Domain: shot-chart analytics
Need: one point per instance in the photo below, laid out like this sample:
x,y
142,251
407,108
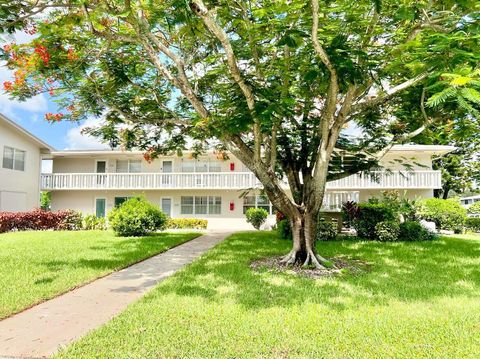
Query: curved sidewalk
x,y
42,330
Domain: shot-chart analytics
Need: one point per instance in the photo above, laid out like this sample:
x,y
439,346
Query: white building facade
x,y
20,167
213,187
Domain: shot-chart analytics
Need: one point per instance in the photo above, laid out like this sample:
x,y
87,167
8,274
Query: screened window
x,y
120,200
122,166
188,166
214,205
248,202
129,166
257,202
215,166
263,202
13,159
201,166
186,205
135,166
201,205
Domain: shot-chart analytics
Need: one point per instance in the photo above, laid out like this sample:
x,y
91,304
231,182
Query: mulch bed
x,y
341,266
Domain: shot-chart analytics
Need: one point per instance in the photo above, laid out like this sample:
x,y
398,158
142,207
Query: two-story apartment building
x,y
20,167
213,187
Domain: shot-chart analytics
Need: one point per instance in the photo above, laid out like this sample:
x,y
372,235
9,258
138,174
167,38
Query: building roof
x,y
44,147
471,197
430,149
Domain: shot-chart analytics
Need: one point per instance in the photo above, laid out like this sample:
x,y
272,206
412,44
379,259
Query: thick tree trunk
x,y
304,252
446,190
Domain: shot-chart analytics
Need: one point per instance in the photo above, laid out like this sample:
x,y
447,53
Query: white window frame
x,y
101,160
194,206
129,160
14,151
173,165
195,163
257,205
95,205
171,205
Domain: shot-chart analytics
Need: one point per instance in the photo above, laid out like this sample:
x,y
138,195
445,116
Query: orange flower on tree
x,y
43,53
53,117
8,86
71,55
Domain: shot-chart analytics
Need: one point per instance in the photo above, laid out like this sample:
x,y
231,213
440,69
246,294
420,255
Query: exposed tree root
x,y
313,259
290,258
310,258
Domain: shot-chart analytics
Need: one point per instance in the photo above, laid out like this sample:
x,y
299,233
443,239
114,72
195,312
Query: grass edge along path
x,y
417,299
40,265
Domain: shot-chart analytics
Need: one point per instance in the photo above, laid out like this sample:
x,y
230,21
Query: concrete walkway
x,y
42,330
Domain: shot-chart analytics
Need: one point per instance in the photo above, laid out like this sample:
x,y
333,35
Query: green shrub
x,y
387,231
70,220
256,217
45,200
184,223
326,230
92,222
349,213
136,217
474,208
473,224
284,229
414,231
369,214
447,214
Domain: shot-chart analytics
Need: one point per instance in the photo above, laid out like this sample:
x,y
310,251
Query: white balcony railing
x,y
227,180
333,201
211,180
389,180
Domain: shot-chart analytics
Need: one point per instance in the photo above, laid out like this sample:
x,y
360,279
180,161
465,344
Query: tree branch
x,y
382,98
201,10
331,101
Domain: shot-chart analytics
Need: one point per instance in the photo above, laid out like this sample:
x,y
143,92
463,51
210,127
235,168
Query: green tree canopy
x,y
273,81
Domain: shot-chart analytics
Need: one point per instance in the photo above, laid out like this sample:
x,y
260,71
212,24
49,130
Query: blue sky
x,y
30,114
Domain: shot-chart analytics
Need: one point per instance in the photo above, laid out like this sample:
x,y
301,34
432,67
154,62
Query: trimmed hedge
x,y
186,223
413,231
447,214
40,220
473,224
326,230
387,231
136,217
369,215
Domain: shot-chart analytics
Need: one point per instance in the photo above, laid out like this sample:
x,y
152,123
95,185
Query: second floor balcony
x,y
227,180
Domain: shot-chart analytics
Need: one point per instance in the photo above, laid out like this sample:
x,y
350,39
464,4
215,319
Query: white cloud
x,y
77,141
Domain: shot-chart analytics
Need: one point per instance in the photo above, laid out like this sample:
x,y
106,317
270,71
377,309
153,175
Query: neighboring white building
x,y
20,167
468,201
213,188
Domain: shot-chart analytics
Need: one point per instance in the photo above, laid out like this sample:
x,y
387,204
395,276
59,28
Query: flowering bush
x,y
39,220
184,223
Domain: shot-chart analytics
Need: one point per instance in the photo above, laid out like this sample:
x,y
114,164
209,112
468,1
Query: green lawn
x,y
417,300
35,266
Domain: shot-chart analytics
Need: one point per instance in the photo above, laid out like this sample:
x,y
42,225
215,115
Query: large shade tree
x,y
274,82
